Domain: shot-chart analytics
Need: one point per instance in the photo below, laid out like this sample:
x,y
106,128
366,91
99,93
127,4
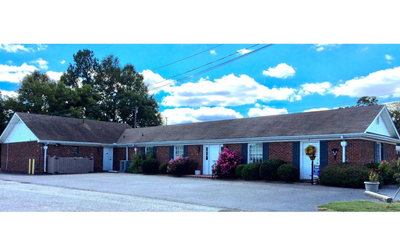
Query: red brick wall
x,y
358,151
390,154
196,155
118,155
19,155
163,154
281,150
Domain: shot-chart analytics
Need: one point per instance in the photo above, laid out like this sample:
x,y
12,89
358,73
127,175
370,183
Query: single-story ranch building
x,y
356,135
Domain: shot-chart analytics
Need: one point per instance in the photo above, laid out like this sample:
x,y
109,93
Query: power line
x,y
223,58
186,58
214,67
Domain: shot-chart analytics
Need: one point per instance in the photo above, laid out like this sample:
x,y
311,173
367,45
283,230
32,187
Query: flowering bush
x,y
373,175
179,166
227,162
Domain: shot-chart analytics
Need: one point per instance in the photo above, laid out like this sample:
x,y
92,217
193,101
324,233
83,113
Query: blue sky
x,y
280,79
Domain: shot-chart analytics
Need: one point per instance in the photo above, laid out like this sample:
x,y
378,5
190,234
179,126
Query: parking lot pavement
x,y
27,197
124,192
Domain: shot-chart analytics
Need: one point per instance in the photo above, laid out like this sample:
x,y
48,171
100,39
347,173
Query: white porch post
x,y
344,144
45,157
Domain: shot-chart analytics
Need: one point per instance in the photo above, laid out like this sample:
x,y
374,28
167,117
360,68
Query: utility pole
x,y
136,111
166,120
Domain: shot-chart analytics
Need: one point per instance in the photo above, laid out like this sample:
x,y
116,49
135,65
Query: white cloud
x,y
62,62
282,70
41,47
55,76
389,57
230,90
381,83
156,82
254,112
311,88
213,52
42,63
244,51
321,47
14,48
11,94
189,115
316,109
15,73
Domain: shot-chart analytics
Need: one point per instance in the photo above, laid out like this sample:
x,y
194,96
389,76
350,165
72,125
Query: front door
x,y
210,157
305,162
107,159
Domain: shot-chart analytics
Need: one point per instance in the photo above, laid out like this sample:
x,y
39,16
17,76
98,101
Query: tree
x,y
110,92
367,101
37,93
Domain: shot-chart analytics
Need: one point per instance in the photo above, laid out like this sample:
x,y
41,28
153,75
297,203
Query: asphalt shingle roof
x,y
339,121
57,128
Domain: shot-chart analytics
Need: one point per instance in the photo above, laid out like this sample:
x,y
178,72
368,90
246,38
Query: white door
x,y
305,161
210,157
107,159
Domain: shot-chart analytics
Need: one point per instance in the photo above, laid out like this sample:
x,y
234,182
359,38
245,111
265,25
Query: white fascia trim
x,y
72,143
365,136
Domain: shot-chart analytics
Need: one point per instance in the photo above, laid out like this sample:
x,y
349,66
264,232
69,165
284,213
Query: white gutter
x,y
365,136
53,142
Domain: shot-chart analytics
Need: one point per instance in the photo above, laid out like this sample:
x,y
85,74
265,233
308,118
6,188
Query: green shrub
x,y
372,165
238,170
344,175
251,171
269,168
387,172
288,173
150,166
163,168
136,165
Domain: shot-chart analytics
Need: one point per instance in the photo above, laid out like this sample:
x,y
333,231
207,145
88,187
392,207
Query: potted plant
x,y
373,183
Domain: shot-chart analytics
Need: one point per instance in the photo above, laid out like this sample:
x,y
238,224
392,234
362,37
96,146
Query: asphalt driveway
x,y
132,192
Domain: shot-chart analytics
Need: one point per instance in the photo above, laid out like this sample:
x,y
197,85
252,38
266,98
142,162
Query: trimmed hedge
x,y
238,170
269,168
288,173
344,175
150,166
163,168
251,171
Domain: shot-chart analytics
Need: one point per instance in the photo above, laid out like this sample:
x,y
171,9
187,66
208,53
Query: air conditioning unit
x,y
122,165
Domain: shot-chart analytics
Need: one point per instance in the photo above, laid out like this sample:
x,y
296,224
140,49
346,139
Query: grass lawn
x,y
360,206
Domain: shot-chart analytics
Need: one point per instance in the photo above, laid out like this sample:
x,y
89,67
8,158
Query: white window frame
x,y
178,151
254,152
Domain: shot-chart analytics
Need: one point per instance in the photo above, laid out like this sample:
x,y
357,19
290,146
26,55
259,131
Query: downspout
x,y
343,144
127,156
45,157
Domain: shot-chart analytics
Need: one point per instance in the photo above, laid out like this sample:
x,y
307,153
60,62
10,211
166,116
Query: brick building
x,y
359,135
